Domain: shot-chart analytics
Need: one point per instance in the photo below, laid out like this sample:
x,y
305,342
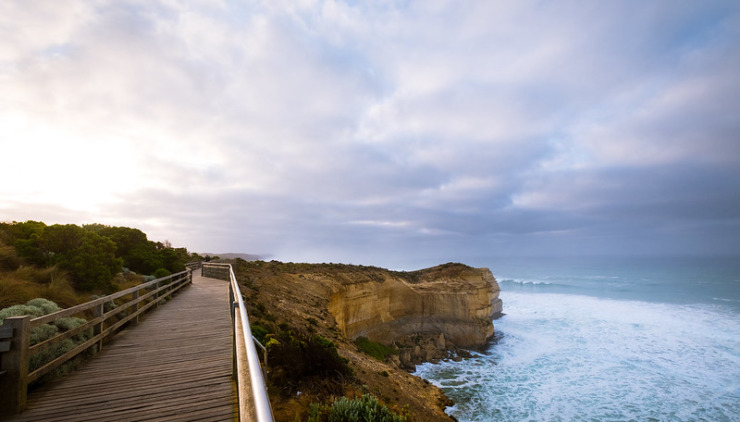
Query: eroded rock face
x,y
452,300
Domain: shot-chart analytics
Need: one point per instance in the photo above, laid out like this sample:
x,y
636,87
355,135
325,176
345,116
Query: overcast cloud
x,y
387,133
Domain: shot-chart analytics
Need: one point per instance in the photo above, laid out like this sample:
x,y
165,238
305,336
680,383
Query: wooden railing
x,y
15,332
217,270
254,404
194,265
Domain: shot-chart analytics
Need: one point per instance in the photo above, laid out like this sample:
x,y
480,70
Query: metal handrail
x,y
244,339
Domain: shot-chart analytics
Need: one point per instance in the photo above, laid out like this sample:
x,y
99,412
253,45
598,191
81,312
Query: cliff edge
x,y
452,300
419,316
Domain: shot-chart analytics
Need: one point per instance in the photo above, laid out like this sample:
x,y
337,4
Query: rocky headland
x,y
418,316
426,314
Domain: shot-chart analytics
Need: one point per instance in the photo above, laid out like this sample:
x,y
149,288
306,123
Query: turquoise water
x,y
606,340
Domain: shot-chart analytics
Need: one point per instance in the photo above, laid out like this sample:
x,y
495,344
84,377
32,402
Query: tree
x,y
89,258
172,260
140,254
93,253
25,239
126,240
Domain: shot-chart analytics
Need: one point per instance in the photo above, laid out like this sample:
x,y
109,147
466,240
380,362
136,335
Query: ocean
x,y
605,339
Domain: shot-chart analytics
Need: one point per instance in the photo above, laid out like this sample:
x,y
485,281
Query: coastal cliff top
x,y
289,298
346,274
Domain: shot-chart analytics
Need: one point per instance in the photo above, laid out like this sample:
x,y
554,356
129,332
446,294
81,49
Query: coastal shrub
x,y
161,272
39,307
364,409
259,332
46,305
377,350
88,257
20,310
298,358
43,332
70,323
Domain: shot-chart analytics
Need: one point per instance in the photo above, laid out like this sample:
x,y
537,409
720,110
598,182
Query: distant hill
x,y
244,256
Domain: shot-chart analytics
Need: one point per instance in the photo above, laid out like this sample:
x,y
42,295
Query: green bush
x,y
259,332
20,310
161,272
92,254
70,323
39,307
47,306
377,350
365,409
89,258
298,358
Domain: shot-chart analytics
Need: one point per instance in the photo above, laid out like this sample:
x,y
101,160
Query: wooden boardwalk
x,y
175,365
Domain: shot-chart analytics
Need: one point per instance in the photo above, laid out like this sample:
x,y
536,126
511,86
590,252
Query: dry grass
x,y
127,280
15,292
19,283
28,283
38,275
9,261
61,292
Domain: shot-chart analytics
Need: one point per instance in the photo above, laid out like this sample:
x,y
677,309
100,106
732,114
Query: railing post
x,y
99,310
232,308
134,296
14,382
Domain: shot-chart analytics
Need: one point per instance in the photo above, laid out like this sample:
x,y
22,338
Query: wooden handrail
x,y
91,304
15,333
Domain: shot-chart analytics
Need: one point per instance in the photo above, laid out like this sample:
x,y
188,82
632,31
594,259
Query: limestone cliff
x,y
423,314
454,300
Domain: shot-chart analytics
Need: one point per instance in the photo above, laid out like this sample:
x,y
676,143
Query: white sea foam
x,y
568,357
518,281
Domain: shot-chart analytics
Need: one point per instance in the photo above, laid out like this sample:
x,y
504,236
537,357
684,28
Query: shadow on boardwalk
x,y
175,365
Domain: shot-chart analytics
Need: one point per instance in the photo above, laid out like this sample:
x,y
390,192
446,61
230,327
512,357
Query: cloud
x,y
365,130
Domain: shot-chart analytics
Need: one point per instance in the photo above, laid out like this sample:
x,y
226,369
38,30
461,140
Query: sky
x,y
389,133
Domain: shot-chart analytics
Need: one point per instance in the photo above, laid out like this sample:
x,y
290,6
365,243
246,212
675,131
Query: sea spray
x,y
562,357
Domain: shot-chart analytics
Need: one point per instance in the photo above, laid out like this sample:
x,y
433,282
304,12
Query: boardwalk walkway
x,y
175,365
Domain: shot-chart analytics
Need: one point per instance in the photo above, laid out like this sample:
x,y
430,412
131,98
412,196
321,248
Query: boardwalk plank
x,y
175,365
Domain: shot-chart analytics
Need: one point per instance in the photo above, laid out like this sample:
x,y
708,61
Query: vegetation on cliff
x,y
303,360
377,350
288,303
364,409
65,263
39,307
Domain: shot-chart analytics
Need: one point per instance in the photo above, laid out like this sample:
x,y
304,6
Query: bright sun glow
x,y
52,164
